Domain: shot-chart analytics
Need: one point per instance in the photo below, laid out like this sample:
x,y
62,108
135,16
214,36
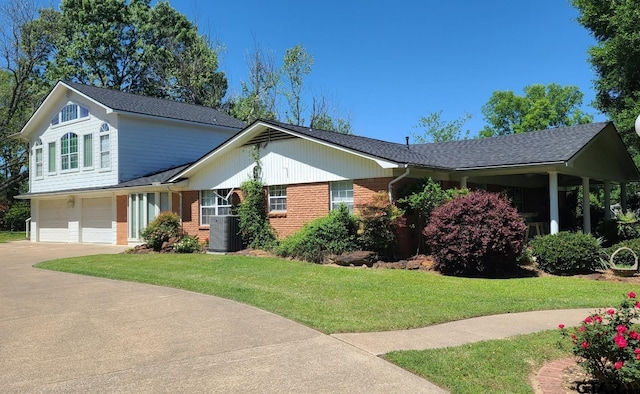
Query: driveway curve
x,y
66,333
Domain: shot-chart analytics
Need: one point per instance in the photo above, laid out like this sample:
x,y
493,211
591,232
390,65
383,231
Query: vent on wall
x,y
268,136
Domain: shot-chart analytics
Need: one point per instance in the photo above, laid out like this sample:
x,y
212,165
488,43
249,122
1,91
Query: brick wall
x,y
191,215
121,221
305,203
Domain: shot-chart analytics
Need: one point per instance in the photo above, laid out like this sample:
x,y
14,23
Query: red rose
x,y
561,326
618,364
610,311
621,329
588,319
620,341
597,318
585,344
632,294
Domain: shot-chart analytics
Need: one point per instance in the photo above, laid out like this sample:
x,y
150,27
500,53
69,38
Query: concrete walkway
x,y
69,333
65,333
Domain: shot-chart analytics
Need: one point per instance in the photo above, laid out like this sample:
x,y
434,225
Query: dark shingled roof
x,y
546,146
133,103
538,147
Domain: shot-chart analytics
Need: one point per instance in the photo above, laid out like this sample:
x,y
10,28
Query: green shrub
x,y
566,253
378,225
253,221
188,244
476,234
332,234
14,218
164,227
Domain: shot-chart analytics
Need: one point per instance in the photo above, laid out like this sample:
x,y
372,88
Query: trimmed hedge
x,y
567,253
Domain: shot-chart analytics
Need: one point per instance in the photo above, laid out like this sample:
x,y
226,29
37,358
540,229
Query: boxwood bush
x,y
332,234
477,234
164,227
567,253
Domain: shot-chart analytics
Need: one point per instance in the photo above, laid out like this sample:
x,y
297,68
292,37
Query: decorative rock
x,y
356,258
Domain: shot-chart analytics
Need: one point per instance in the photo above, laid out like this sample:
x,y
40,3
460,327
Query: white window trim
x,y
104,133
216,206
70,154
145,214
36,148
334,204
79,118
277,197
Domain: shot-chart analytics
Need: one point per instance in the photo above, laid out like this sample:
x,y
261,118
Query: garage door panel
x,y
53,221
97,220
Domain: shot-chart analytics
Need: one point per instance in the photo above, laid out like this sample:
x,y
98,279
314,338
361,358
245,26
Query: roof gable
x,y
117,101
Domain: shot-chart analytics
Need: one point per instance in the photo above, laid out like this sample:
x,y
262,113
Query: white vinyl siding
x,y
278,198
87,157
342,193
213,203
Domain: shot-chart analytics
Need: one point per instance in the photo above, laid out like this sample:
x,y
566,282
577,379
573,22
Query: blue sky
x,y
387,63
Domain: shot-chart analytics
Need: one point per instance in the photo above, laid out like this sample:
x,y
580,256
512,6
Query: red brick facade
x,y
122,230
305,202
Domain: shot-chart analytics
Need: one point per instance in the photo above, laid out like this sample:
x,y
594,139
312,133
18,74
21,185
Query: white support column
x,y
463,182
623,197
586,206
607,200
554,211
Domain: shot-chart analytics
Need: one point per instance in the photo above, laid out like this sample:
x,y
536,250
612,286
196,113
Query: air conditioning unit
x,y
224,234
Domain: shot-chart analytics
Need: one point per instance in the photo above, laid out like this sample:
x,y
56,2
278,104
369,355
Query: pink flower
x,y
588,319
610,311
638,304
636,351
597,318
633,335
631,294
585,344
620,341
561,326
618,364
582,328
621,329
573,336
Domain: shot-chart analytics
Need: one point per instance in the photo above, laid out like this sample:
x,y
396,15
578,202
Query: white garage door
x,y
96,220
54,222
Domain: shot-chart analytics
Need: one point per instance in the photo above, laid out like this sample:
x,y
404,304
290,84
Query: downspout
x,y
406,172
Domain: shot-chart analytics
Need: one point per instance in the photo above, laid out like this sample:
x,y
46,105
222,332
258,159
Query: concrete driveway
x,y
69,333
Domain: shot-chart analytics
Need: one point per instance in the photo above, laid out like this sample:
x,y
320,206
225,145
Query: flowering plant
x,y
607,345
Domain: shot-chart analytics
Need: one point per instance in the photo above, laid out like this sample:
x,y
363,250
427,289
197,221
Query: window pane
x,y
342,193
105,156
164,202
88,150
206,215
133,219
104,128
151,207
69,112
52,157
38,159
277,198
84,112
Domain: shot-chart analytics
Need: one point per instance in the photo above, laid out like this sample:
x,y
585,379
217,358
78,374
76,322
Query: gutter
x,y
393,181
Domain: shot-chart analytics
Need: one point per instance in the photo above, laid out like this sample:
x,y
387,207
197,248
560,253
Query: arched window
x,y
69,151
70,112
105,146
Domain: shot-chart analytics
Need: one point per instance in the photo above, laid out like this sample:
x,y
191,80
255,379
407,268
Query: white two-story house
x,y
98,158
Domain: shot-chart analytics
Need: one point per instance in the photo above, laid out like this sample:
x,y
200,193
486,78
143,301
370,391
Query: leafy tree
x,y
133,47
297,65
437,130
324,118
616,60
540,108
24,46
258,99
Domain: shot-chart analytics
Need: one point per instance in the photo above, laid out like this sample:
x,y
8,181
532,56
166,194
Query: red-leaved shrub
x,y
476,234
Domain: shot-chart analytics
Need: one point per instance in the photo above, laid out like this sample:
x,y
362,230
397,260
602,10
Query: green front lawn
x,y
8,236
334,299
500,366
